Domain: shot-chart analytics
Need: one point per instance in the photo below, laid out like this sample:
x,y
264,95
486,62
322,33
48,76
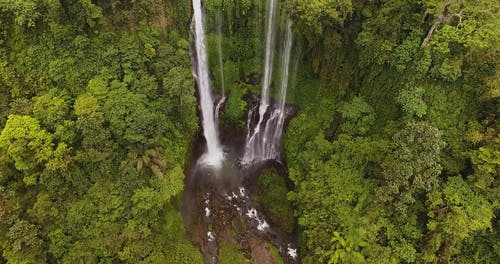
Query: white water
x,y
292,252
264,142
252,149
222,100
214,154
217,108
218,22
268,64
285,73
274,129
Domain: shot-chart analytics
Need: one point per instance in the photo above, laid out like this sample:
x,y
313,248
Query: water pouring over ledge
x,y
209,219
264,139
255,141
214,154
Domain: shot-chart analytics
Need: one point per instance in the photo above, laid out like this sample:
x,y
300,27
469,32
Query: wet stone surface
x,y
218,209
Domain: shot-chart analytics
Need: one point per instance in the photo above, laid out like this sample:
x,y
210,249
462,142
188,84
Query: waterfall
x,y
268,65
264,141
274,126
223,98
266,121
214,153
218,22
285,73
263,138
253,149
219,105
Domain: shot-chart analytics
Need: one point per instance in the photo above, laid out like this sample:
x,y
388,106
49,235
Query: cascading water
x,y
214,154
268,67
285,72
218,107
218,29
264,141
271,140
253,150
218,23
226,206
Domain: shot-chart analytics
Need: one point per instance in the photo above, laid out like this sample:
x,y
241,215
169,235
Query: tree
x,y
24,244
413,167
26,143
26,13
51,110
130,120
412,102
319,15
486,161
357,117
455,213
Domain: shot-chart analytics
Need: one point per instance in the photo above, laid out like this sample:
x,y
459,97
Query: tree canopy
x,y
393,155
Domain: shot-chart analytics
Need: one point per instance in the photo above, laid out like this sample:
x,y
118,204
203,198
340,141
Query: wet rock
x,y
261,252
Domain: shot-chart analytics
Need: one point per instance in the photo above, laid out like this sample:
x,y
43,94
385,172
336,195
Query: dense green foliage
x,y
230,254
271,194
394,155
98,112
386,164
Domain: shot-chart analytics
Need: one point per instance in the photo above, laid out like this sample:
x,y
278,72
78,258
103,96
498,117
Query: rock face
x,y
219,209
261,252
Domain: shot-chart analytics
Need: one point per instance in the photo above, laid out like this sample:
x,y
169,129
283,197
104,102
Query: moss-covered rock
x,y
231,254
271,195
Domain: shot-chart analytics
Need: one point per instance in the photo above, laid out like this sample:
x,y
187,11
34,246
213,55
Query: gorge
x,y
220,203
249,131
214,154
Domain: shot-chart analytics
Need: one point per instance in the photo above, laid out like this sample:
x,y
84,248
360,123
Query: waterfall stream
x,y
214,154
268,68
255,141
218,23
216,201
271,138
264,140
285,73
